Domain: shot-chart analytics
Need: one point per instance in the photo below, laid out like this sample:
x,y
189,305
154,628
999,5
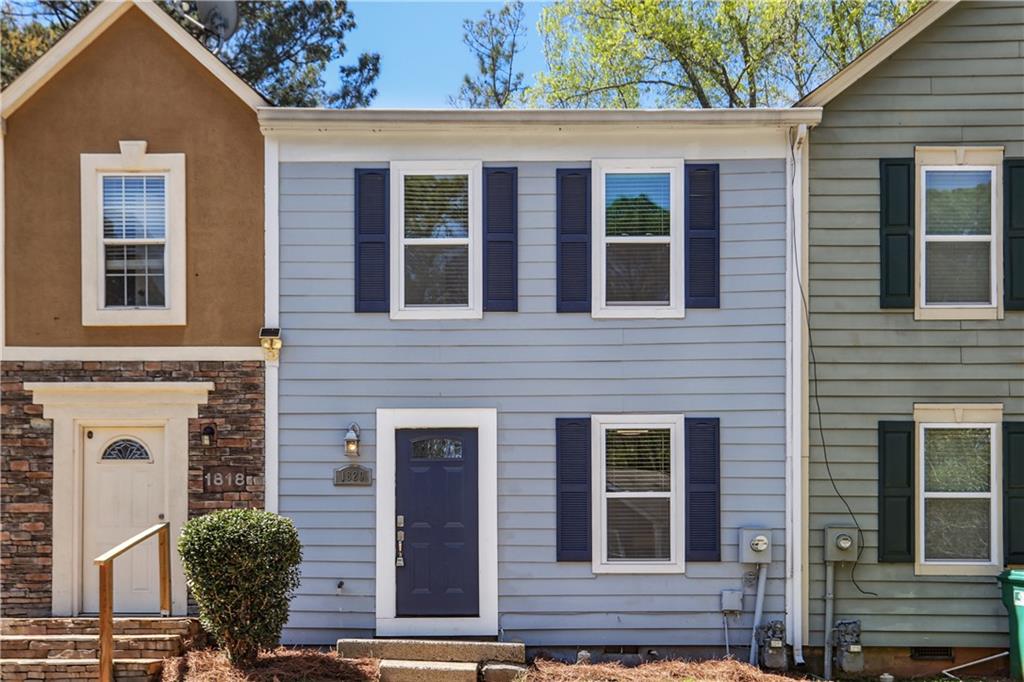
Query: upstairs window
x,y
437,257
133,238
637,269
959,236
958,223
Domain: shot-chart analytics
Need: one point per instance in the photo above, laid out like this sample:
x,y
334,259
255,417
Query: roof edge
x,y
90,27
877,53
291,119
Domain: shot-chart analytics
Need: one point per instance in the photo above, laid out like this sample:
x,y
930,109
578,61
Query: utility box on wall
x,y
755,546
841,544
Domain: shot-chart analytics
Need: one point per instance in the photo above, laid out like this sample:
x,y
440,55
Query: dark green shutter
x,y
896,233
1013,492
896,492
1013,234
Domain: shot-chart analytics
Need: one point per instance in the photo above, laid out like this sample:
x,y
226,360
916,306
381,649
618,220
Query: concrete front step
x,y
502,672
427,671
125,670
433,650
87,646
185,627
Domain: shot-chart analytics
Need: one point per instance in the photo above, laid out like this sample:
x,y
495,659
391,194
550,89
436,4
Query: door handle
x,y
399,558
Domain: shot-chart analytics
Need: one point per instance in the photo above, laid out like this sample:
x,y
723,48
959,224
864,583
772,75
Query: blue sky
x,y
422,55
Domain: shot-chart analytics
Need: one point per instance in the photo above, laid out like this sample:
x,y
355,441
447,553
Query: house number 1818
x,y
223,479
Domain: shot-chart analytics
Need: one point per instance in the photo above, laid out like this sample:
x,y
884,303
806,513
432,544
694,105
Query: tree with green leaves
x,y
702,53
495,41
282,48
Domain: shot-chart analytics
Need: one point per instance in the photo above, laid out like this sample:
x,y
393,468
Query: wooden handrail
x,y
105,562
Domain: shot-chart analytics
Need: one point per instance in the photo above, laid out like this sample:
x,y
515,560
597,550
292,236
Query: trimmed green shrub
x,y
242,566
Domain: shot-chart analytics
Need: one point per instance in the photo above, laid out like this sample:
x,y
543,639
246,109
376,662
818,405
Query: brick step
x,y
185,627
427,671
87,646
433,650
125,670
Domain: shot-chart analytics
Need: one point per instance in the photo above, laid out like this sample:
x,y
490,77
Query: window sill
x,y
969,313
637,568
617,313
437,314
134,317
957,569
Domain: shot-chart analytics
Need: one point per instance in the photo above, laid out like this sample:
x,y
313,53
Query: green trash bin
x,y
1013,600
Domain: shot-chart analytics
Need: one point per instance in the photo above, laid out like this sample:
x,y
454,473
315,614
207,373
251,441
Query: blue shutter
x,y
1013,234
703,489
371,240
896,237
572,473
1013,492
702,235
573,228
895,492
501,269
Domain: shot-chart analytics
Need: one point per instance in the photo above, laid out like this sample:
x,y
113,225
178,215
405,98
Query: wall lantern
x,y
352,440
270,340
209,433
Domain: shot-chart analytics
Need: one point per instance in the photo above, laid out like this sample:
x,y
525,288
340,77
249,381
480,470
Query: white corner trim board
x,y
485,420
76,406
131,353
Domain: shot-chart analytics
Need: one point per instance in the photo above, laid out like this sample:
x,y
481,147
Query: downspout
x,y
795,394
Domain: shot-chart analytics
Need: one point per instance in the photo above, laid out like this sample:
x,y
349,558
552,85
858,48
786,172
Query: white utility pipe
x,y
830,579
762,579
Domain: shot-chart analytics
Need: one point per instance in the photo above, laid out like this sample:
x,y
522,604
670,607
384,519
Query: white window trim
x,y
925,238
133,159
474,171
485,421
960,416
676,307
959,158
599,423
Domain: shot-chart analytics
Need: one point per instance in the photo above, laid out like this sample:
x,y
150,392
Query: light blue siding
x,y
533,366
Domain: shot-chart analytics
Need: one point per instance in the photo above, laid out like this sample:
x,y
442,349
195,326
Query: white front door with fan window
x,y
124,493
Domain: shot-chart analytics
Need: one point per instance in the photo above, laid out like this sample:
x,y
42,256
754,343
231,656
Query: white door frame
x,y
485,421
76,406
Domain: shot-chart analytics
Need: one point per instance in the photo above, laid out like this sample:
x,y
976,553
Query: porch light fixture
x,y
352,440
209,433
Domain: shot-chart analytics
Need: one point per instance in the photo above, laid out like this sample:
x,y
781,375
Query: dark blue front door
x,y
436,508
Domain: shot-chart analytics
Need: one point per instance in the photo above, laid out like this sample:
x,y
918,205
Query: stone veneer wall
x,y
235,408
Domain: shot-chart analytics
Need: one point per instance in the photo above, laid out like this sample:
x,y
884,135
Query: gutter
x,y
285,119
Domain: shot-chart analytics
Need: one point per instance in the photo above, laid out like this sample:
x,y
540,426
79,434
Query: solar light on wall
x,y
352,440
270,341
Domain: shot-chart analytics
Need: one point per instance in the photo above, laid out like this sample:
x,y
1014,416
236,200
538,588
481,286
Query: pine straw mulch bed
x,y
284,664
727,670
279,665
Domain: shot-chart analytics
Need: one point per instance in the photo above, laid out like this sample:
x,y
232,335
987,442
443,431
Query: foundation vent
x,y
931,653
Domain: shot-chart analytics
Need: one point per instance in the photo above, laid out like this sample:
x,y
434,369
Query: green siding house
x,y
915,366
